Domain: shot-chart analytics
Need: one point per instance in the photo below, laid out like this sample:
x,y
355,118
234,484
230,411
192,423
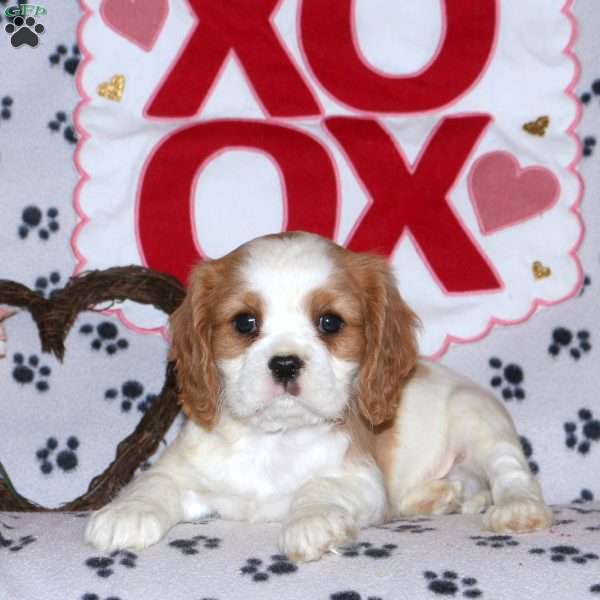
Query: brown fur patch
x,y
389,352
203,332
348,343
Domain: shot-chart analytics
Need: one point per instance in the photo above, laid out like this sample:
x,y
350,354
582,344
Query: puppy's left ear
x,y
391,347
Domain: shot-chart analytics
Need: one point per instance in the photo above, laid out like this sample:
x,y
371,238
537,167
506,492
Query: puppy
x,y
297,367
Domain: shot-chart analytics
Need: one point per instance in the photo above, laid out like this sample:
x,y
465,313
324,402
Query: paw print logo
x,y
32,218
24,31
280,565
449,584
60,121
107,337
590,428
6,111
46,287
66,459
410,525
367,549
104,565
131,392
510,378
563,338
30,372
566,553
528,452
70,60
190,546
494,541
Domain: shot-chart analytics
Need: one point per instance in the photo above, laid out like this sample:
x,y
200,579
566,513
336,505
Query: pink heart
x,y
503,194
139,21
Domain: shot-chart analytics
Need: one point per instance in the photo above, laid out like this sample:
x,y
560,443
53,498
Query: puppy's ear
x,y
390,343
191,330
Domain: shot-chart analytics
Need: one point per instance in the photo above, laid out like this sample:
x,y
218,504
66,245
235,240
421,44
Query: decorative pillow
x,y
439,134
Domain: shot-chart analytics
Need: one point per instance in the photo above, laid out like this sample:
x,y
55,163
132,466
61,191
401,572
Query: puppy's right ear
x,y
191,330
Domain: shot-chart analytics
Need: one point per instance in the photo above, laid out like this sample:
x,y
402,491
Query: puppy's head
x,y
291,330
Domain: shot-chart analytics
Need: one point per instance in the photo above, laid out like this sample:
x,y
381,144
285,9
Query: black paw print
x,y
410,525
595,589
280,565
58,122
449,584
5,111
91,596
106,336
367,549
66,459
511,378
46,287
589,142
190,546
495,541
350,595
564,553
562,337
586,97
584,511
131,392
32,217
103,565
584,496
590,429
587,281
559,522
24,31
27,373
70,62
16,545
528,452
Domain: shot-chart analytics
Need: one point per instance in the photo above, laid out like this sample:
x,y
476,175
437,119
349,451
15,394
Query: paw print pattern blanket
x,y
431,177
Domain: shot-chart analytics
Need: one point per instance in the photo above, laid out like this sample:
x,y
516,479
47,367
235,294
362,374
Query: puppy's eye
x,y
245,324
330,323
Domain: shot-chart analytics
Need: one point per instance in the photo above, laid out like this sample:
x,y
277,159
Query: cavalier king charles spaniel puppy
x,y
307,405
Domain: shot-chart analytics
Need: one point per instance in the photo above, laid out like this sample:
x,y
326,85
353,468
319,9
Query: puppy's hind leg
x,y
435,497
518,502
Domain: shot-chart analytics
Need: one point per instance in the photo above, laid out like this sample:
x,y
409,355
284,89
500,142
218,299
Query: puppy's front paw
x,y
518,516
308,536
126,524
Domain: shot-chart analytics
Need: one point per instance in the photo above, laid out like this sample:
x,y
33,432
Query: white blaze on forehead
x,y
283,271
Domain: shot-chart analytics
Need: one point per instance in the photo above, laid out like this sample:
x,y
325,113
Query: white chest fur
x,y
234,461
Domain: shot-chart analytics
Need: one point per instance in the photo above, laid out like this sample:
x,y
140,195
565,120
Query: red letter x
x,y
416,199
243,27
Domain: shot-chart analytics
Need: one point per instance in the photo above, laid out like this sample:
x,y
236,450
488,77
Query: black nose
x,y
285,368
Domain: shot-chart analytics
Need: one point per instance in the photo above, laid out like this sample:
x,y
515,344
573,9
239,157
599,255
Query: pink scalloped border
x,y
449,339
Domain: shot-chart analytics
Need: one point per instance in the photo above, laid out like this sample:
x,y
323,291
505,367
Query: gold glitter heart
x,y
540,271
537,127
113,89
